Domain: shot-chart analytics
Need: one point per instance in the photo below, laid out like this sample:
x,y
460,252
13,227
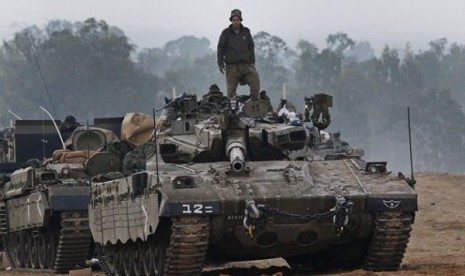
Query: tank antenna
x,y
410,146
14,114
156,145
44,141
40,71
88,139
56,127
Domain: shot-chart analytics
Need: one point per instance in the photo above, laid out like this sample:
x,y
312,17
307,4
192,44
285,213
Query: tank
x,y
233,180
44,204
38,139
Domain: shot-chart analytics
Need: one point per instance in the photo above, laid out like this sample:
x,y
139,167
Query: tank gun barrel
x,y
236,158
236,151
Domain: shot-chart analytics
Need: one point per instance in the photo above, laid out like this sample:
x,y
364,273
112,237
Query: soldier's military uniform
x,y
237,51
213,100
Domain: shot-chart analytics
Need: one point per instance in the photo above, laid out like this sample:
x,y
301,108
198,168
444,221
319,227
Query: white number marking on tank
x,y
186,209
235,217
208,209
196,209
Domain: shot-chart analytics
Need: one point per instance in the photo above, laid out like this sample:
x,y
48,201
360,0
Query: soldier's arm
x,y
251,47
221,49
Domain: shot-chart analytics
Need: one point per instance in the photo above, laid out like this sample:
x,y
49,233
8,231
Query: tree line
x,y
91,69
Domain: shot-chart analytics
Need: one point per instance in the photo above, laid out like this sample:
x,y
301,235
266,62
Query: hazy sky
x,y
153,23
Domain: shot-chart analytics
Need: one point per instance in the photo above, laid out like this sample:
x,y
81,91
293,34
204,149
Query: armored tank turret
x,y
231,180
45,217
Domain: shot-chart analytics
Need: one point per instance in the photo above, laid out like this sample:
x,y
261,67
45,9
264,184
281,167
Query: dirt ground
x,y
437,244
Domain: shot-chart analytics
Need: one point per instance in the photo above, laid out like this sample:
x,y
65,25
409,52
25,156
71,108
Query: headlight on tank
x,y
66,172
181,182
376,167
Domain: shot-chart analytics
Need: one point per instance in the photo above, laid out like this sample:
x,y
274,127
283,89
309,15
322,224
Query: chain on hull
x,y
389,241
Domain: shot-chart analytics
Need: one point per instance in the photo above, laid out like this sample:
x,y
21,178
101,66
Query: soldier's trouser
x,y
244,74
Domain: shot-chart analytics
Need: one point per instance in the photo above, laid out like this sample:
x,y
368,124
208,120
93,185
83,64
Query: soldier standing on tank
x,y
236,56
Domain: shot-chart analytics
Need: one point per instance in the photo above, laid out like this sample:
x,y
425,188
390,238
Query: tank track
x,y
184,245
74,241
72,248
389,241
7,253
4,232
188,246
3,220
103,259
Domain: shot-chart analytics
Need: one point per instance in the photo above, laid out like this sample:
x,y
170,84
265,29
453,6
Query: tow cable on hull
x,y
256,215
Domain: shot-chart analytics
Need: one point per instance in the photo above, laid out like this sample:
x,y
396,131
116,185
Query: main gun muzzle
x,y
236,151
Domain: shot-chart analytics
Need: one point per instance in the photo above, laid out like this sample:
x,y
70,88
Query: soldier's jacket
x,y
236,48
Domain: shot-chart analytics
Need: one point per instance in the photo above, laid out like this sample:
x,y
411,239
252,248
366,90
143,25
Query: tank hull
x,y
217,196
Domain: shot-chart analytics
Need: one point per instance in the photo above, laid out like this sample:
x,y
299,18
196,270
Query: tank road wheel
x,y
158,246
27,238
111,254
112,259
52,247
128,260
33,250
42,250
16,249
138,258
108,257
159,254
118,258
147,258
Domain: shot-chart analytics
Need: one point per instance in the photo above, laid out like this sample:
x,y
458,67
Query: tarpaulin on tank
x,y
137,128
